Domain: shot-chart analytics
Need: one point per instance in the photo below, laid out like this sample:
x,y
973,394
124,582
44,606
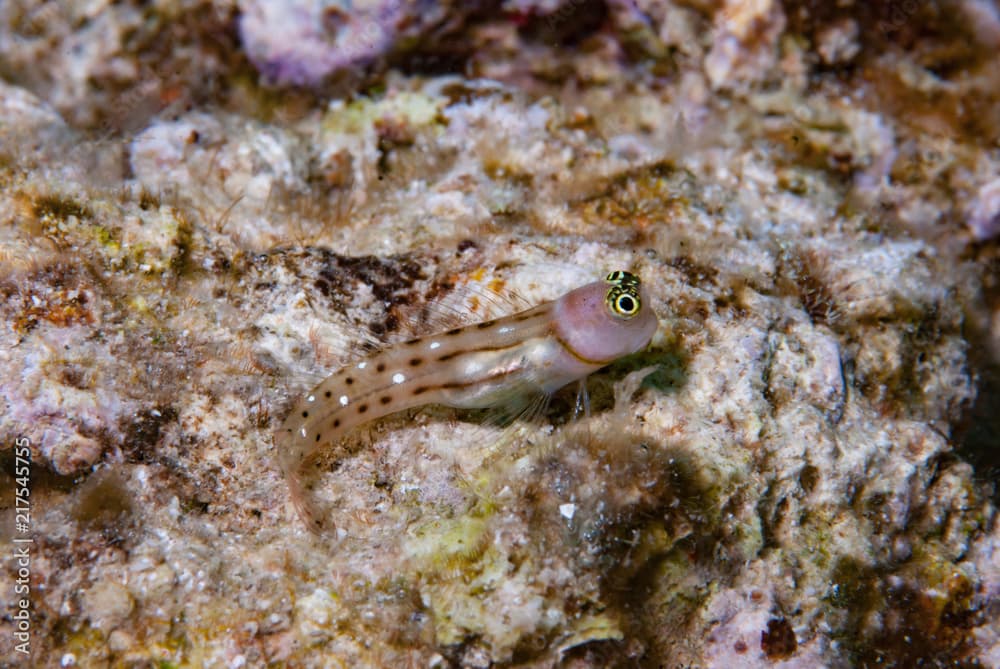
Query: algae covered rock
x,y
797,472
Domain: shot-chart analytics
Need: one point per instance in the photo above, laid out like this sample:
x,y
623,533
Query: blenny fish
x,y
495,363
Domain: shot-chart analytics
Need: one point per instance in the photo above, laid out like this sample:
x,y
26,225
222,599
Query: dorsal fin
x,y
462,300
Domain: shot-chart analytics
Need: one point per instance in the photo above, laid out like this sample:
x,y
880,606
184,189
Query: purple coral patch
x,y
302,42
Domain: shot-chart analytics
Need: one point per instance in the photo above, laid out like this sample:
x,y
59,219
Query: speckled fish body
x,y
488,364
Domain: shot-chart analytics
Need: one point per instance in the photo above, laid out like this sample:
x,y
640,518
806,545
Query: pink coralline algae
x,y
308,41
984,212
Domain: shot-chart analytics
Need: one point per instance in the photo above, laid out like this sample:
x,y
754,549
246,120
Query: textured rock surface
x,y
803,479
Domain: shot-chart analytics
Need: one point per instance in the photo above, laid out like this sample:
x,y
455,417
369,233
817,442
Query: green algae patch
x,y
412,109
447,543
927,610
107,238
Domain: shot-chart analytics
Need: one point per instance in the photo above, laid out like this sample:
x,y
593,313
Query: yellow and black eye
x,y
626,305
623,296
624,302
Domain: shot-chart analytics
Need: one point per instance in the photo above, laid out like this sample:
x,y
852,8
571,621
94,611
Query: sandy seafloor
x,y
206,207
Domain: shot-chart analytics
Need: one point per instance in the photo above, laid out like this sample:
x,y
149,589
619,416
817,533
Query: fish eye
x,y
624,302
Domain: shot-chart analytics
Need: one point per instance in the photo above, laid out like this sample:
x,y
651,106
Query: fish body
x,y
490,364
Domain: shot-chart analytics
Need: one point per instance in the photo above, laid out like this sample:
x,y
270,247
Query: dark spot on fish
x,y
413,342
454,331
305,414
448,356
486,324
317,437
336,422
385,399
362,408
420,390
328,394
380,367
416,362
349,380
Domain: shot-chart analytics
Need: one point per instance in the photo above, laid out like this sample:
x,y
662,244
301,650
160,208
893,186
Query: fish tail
x,y
303,507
